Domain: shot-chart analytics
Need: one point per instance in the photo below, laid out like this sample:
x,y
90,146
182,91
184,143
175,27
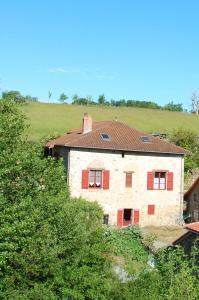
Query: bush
x,y
51,246
187,140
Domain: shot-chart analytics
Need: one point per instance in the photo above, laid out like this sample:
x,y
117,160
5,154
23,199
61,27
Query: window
x,y
151,209
106,219
95,179
146,139
105,137
128,182
159,181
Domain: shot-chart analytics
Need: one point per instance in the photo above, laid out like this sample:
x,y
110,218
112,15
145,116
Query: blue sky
x,y
147,50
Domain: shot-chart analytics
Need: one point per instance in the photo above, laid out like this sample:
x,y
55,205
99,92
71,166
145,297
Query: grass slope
x,y
49,118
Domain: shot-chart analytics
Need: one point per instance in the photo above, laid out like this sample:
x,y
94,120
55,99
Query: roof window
x,y
146,139
105,137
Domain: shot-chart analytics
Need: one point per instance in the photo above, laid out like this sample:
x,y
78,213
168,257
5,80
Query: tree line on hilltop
x,y
123,102
17,97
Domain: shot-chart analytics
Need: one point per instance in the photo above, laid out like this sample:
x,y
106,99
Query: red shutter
x,y
136,215
150,181
84,179
120,213
151,209
129,179
106,175
170,181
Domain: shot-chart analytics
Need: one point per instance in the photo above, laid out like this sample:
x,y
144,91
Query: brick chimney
x,y
87,124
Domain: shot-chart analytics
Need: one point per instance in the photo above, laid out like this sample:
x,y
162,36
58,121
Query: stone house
x,y
191,198
135,177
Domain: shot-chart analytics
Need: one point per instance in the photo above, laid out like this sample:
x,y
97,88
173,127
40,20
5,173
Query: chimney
x,y
87,124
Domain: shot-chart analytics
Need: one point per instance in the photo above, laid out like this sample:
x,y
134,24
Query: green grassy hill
x,y
49,118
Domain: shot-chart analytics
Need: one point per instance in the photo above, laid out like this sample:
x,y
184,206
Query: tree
x,y
187,140
173,107
101,99
195,103
75,99
63,97
49,95
173,279
31,99
52,246
14,96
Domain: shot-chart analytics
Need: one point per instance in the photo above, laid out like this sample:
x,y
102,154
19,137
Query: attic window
x,y
146,139
105,137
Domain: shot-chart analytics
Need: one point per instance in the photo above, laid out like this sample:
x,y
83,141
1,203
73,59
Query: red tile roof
x,y
121,136
193,226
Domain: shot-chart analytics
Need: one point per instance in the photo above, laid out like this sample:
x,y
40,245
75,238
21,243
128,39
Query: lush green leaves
x,y
51,246
188,140
63,97
127,243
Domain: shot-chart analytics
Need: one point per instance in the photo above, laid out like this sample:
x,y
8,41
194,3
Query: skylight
x,y
146,139
105,137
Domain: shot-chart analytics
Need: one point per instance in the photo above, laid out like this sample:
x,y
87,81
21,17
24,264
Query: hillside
x,y
49,118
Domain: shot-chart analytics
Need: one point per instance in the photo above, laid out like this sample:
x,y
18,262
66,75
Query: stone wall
x,y
168,204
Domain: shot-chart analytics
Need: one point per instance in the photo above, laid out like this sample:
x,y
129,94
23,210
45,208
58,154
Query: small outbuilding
x,y
191,200
190,238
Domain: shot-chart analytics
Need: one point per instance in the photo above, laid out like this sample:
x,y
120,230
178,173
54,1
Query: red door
x,y
136,216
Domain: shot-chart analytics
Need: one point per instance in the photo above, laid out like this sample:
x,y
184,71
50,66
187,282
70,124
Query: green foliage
x,y
83,101
54,243
51,246
184,138
12,125
101,99
17,97
177,273
63,97
172,279
127,243
188,140
14,96
173,106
